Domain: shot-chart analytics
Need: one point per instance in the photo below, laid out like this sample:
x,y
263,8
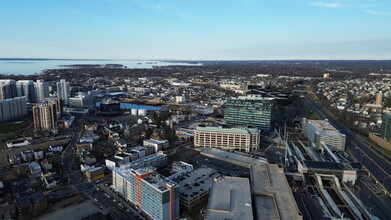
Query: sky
x,y
196,29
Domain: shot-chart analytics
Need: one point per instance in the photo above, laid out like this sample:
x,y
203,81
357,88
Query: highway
x,y
378,166
370,198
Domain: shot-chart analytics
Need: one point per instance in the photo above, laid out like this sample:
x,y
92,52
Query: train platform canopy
x,y
323,165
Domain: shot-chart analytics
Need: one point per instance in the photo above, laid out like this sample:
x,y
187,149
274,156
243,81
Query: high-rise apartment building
x,y
5,92
44,117
7,89
156,195
41,90
13,108
250,110
58,103
240,139
64,91
26,88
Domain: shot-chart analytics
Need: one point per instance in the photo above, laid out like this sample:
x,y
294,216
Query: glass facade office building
x,y
250,110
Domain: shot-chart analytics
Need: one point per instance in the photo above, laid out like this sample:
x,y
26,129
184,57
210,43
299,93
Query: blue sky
x,y
201,29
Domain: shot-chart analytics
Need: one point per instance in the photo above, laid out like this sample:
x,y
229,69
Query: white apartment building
x,y
13,108
157,144
26,88
82,101
64,91
41,90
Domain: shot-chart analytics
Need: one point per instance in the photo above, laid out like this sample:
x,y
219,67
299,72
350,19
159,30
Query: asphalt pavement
x,y
370,198
378,166
79,183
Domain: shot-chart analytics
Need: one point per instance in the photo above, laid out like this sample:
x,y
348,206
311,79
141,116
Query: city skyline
x,y
216,30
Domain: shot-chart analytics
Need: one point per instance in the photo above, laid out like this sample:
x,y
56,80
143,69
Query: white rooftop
x,y
230,198
254,97
324,127
244,158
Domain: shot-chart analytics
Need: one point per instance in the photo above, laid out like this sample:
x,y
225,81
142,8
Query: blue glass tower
x,y
250,110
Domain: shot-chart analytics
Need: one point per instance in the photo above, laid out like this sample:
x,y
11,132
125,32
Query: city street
x,y
79,183
121,204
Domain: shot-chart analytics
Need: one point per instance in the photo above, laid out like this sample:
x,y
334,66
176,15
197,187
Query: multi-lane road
x,y
378,166
107,204
79,184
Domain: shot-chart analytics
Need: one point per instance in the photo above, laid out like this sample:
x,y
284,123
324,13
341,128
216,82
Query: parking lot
x,y
223,167
77,211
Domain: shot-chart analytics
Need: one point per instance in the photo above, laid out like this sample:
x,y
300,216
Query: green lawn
x,y
8,128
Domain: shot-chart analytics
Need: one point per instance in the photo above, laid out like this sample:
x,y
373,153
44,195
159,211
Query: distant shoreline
x,y
197,60
33,66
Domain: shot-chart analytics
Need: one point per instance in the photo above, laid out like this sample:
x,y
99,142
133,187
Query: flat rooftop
x,y
94,169
324,127
155,141
159,182
125,168
156,180
230,198
273,196
196,181
323,165
233,156
253,97
185,135
190,131
228,130
114,159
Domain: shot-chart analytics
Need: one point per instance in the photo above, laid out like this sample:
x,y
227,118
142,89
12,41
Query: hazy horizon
x,y
184,60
